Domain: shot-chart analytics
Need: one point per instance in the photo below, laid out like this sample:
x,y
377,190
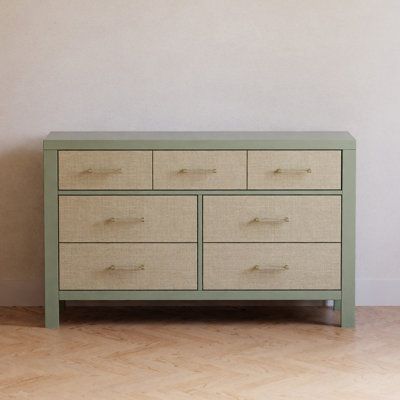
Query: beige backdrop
x,y
199,65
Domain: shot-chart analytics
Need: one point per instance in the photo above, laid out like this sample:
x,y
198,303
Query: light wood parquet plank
x,y
239,353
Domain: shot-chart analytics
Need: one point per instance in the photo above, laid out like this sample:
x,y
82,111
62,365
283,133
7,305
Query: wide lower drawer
x,y
108,266
105,169
272,218
128,218
200,169
272,266
294,169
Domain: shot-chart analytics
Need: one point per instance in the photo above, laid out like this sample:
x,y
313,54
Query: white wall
x,y
200,65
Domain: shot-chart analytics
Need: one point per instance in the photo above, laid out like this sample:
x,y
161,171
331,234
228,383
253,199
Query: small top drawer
x,y
105,169
299,169
200,169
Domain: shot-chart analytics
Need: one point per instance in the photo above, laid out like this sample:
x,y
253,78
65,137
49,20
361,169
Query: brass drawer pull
x,y
111,171
271,220
132,268
267,268
114,220
198,171
292,171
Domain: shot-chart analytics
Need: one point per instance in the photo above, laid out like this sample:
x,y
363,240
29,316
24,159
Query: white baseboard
x,y
369,292
378,292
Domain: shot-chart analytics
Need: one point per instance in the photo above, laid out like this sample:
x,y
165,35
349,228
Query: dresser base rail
x,y
200,295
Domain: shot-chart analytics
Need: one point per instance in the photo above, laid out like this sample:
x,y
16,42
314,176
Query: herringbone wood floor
x,y
200,353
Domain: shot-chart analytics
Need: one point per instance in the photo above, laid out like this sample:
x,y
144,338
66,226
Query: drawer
x,y
272,266
105,169
294,169
199,170
112,266
128,218
272,218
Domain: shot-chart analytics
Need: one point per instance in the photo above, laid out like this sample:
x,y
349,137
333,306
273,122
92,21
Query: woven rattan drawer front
x,y
271,266
128,218
272,218
199,170
119,266
294,169
105,169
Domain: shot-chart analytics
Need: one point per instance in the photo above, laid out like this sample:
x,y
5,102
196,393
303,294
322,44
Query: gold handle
x,y
114,220
271,220
197,171
292,171
270,268
111,171
132,268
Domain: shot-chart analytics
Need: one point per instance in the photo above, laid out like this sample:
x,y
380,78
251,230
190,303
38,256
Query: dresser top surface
x,y
199,140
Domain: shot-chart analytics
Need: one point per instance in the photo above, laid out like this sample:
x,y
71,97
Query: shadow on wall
x,y
21,225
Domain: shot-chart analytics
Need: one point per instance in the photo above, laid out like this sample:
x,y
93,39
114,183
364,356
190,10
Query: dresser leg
x,y
347,317
337,305
52,314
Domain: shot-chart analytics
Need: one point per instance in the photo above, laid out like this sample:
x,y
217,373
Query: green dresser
x,y
199,216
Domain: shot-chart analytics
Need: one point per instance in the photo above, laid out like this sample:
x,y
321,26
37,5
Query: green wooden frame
x,y
343,141
199,141
200,295
347,304
51,238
